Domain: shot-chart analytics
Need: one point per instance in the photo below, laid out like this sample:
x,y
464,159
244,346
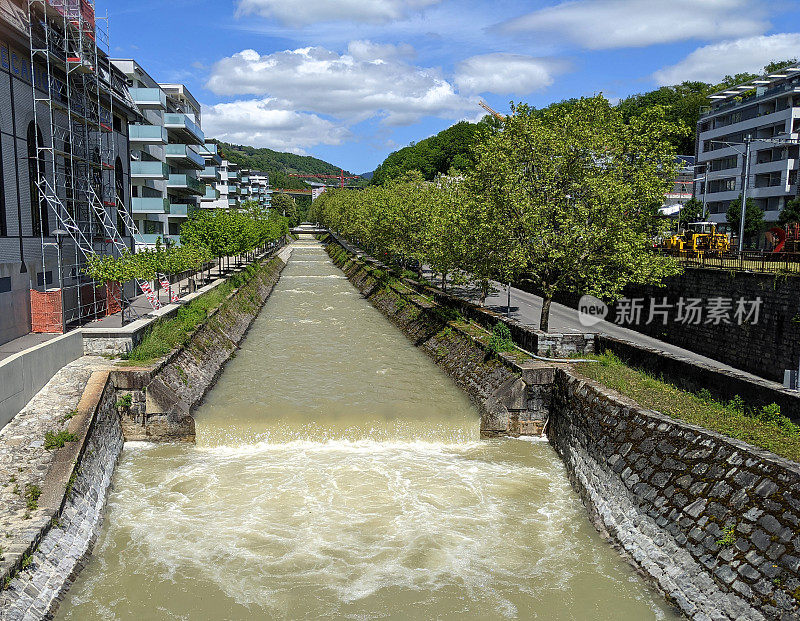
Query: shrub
x,y
54,440
501,338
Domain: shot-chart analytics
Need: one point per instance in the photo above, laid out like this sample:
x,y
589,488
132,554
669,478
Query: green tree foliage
x,y
753,218
567,196
692,211
285,204
449,149
791,213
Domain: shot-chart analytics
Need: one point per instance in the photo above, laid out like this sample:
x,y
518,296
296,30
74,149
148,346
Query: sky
x,y
350,81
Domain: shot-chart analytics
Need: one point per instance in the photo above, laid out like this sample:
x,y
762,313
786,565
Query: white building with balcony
x,y
169,157
768,110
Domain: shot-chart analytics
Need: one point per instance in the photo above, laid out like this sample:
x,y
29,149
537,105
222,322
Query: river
x,y
338,473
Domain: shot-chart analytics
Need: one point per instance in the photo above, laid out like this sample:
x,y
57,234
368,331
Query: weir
x,y
337,472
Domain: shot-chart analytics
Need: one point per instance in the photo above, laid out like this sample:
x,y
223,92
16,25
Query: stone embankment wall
x,y
40,569
513,397
533,340
163,396
714,522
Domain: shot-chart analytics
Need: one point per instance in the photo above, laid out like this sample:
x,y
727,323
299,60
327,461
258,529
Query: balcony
x,y
233,202
212,194
186,185
149,98
210,153
180,210
150,239
149,170
184,128
147,134
183,156
149,205
210,172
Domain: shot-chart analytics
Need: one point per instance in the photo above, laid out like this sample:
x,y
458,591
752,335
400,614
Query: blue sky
x,y
349,81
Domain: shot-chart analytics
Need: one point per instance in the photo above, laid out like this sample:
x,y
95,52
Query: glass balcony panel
x,y
152,134
185,184
149,205
149,97
149,170
184,127
184,156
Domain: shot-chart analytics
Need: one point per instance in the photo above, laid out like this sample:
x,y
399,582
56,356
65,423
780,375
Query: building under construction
x,y
64,177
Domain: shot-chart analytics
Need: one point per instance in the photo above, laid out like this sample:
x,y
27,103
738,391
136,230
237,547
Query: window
x,y
153,227
39,215
117,124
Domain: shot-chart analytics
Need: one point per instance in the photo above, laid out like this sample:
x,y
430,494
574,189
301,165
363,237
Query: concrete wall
x,y
667,492
24,374
15,305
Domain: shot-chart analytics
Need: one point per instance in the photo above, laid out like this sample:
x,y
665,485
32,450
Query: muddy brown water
x,y
338,473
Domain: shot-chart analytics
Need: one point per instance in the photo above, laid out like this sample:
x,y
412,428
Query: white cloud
x,y
506,73
367,81
257,122
303,12
605,24
713,62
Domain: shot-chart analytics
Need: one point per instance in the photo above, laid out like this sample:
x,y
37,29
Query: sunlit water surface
x,y
339,474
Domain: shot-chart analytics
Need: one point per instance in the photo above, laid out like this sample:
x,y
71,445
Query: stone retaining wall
x,y
73,499
512,397
530,339
163,396
714,522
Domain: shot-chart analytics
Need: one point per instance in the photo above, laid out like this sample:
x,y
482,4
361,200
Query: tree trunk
x,y
544,322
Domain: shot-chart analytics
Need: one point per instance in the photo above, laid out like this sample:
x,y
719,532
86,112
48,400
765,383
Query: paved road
x,y
527,307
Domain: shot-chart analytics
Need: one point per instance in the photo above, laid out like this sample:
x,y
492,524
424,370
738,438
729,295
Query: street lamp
x,y
59,234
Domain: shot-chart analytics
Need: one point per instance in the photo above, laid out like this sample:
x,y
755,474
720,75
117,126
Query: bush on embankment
x,y
764,427
170,333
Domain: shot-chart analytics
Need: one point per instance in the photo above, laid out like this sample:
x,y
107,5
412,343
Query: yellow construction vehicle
x,y
699,237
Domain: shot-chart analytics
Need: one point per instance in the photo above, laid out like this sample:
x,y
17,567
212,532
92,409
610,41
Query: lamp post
x,y
59,235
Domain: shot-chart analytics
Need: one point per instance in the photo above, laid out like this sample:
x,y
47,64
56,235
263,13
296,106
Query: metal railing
x,y
747,261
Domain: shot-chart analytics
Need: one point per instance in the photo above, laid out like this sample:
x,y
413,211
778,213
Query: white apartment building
x,y
768,110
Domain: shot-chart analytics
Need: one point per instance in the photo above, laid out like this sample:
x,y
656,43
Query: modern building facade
x,y
169,159
767,110
64,170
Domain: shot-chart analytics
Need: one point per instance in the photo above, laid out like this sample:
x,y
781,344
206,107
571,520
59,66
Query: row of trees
x,y
567,196
205,235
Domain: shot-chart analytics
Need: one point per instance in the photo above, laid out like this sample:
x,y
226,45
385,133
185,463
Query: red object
x,y
341,177
46,311
778,238
113,298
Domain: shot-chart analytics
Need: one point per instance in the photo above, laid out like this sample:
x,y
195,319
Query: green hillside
x,y
277,164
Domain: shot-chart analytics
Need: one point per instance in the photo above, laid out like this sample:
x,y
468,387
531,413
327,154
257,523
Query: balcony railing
x,y
149,97
186,184
211,194
152,134
180,210
149,170
185,128
149,205
183,156
210,172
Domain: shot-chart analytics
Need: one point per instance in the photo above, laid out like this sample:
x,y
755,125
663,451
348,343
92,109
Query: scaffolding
x,y
76,178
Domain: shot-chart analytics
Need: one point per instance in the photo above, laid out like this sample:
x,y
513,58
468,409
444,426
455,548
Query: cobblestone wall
x,y
61,547
713,521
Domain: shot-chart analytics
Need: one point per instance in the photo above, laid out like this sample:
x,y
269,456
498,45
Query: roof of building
x,y
762,82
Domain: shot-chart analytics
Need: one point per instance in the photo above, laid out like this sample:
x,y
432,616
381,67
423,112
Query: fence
x,y
749,260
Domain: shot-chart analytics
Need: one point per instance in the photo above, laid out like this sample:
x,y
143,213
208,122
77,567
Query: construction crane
x,y
341,177
492,111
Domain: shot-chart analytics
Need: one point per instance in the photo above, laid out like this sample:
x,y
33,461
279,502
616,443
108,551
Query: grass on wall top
x,y
765,428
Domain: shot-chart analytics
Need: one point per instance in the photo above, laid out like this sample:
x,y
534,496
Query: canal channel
x,y
338,473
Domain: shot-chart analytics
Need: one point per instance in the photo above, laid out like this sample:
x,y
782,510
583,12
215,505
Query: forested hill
x,y
276,163
453,146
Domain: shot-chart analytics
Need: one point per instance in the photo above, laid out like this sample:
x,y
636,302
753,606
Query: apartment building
x,y
169,159
64,170
766,109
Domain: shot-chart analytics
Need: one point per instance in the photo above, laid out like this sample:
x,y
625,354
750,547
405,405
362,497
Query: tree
x,y
692,211
286,206
753,218
790,213
576,191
